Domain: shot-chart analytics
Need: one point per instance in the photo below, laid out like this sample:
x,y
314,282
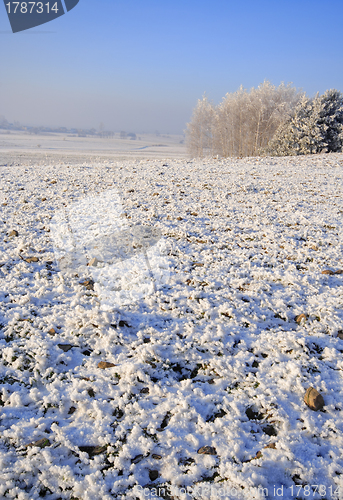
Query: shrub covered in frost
x,y
316,126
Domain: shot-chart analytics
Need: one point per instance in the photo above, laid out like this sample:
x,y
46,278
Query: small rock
x,y
88,283
145,390
137,459
93,450
31,259
340,334
91,393
99,449
153,475
271,445
94,262
105,364
41,443
65,347
313,399
207,450
300,318
252,414
328,271
269,430
72,410
124,323
165,422
43,199
52,331
13,233
156,457
297,480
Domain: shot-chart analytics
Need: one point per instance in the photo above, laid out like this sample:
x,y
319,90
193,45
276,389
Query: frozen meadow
x,y
195,390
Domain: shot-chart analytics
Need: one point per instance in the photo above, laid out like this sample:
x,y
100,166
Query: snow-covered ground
x,y
215,358
59,148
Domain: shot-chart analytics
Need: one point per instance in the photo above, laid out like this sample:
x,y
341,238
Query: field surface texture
x,y
200,385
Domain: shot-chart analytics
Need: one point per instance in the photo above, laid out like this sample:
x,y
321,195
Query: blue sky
x,y
141,65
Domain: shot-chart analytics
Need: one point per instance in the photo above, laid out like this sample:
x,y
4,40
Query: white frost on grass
x,y
213,358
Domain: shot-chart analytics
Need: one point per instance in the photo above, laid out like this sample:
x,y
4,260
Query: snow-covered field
x,y
213,359
55,148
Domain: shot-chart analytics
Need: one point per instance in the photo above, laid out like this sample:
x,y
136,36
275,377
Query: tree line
x,y
267,120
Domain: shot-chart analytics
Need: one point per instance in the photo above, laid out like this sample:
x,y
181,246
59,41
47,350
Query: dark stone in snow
x,y
153,475
207,450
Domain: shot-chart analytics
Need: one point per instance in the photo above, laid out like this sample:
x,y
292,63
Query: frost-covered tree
x,y
272,107
243,123
299,135
200,130
316,126
232,124
330,120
